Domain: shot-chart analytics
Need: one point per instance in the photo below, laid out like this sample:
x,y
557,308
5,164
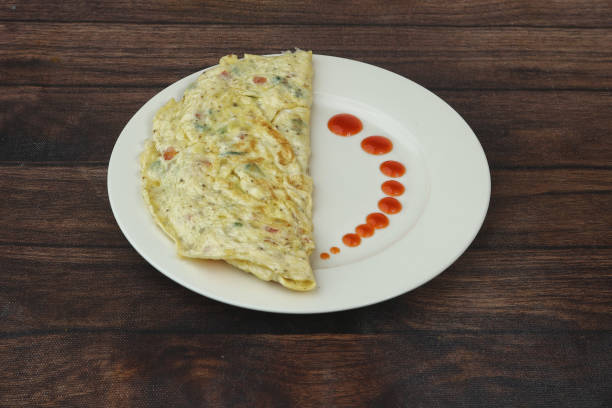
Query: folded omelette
x,y
225,173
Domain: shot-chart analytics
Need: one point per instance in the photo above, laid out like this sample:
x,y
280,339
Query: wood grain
x,y
46,207
416,369
69,206
576,13
516,128
51,290
523,318
541,129
436,57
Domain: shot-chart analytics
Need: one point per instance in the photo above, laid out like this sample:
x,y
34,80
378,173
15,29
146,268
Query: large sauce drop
x,y
389,205
376,145
377,220
392,168
393,188
345,124
364,230
351,240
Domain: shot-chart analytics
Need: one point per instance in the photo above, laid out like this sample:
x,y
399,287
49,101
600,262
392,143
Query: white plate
x,y
447,194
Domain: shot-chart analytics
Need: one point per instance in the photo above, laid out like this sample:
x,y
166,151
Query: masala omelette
x,y
225,173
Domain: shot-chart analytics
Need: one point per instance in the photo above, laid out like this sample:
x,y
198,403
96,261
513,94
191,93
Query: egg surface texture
x,y
225,173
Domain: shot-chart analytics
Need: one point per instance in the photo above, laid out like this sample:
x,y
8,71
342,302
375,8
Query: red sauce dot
x,y
376,145
364,230
345,124
392,168
334,250
389,205
324,255
393,188
351,240
377,220
259,80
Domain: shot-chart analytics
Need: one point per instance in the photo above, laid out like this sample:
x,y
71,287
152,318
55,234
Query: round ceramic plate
x,y
446,199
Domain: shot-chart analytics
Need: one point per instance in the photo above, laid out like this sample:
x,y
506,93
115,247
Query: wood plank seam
x,y
330,24
116,330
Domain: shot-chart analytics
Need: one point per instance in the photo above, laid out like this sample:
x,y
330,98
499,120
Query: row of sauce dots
x,y
345,124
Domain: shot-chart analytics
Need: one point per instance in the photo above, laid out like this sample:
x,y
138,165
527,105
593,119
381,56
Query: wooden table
x,y
523,318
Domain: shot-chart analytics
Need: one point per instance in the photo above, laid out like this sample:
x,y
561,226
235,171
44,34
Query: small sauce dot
x,y
351,240
377,220
324,255
393,188
392,168
376,145
334,250
345,124
364,230
389,205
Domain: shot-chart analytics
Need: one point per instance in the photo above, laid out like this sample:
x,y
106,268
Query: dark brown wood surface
x,y
523,318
